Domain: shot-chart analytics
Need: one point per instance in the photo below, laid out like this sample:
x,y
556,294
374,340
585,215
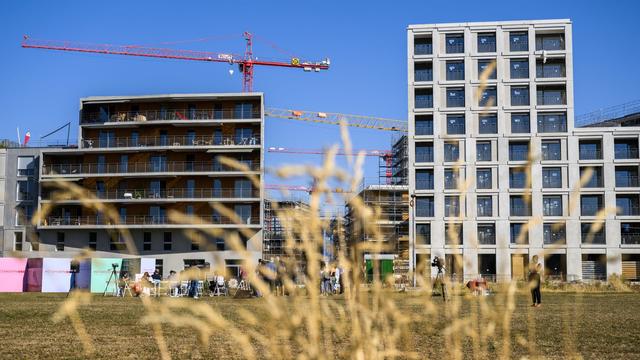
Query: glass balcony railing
x,y
170,115
518,155
178,193
424,101
546,125
455,46
424,184
590,154
624,180
142,220
143,167
519,98
589,209
630,238
486,45
424,128
424,157
455,100
593,238
486,239
552,98
551,155
422,49
423,75
170,140
424,211
626,153
456,128
633,210
520,211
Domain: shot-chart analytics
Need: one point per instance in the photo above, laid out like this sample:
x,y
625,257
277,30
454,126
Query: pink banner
x,y
12,274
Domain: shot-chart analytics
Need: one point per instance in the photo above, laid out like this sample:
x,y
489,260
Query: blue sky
x,y
366,41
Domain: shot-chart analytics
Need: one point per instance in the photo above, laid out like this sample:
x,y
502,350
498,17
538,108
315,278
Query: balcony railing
x,y
141,220
594,238
424,101
486,239
455,128
627,180
424,184
170,115
170,140
424,157
142,167
455,47
552,98
628,210
518,155
423,49
587,154
520,128
630,238
489,45
550,127
550,71
423,75
179,193
519,98
424,128
455,101
520,211
589,210
424,212
628,153
551,155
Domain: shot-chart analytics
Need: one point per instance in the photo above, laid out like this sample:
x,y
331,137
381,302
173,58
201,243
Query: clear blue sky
x,y
366,41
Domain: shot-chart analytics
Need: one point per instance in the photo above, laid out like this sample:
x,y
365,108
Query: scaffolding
x,y
275,233
393,168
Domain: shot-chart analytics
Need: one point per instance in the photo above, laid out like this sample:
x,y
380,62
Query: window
x,y
488,124
423,234
124,163
630,233
191,138
519,233
551,177
554,233
454,43
451,206
551,95
519,68
518,151
158,163
25,190
483,151
590,150
551,150
164,138
626,148
552,122
595,180
93,240
551,68
483,179
483,65
549,41
593,233
450,179
451,152
520,123
424,206
106,139
167,241
552,205
244,212
191,188
26,166
488,97
626,176
486,234
590,204
422,46
455,70
424,179
518,178
423,71
455,97
135,136
424,124
423,98
519,207
485,206
242,188
146,241
243,111
424,152
244,136
60,241
455,124
17,241
519,41
453,234
24,213
486,42
627,204
519,96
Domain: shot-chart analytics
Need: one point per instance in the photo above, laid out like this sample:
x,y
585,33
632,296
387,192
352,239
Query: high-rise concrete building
x,y
495,163
152,156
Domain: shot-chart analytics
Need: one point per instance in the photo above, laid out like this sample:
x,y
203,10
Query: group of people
x,y
140,287
331,280
275,273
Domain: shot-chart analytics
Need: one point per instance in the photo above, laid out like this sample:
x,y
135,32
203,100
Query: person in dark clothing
x,y
534,284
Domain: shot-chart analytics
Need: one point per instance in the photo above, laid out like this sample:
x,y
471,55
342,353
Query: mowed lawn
x,y
590,325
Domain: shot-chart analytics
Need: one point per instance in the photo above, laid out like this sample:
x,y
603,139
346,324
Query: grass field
x,y
590,325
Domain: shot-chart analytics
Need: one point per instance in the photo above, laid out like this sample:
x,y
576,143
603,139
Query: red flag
x,y
27,136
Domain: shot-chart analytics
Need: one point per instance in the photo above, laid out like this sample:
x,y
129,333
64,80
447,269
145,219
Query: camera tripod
x,y
443,285
114,276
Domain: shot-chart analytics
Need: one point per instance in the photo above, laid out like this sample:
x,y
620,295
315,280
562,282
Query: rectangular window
x,y
424,124
520,123
483,151
519,41
17,241
488,97
451,206
630,233
550,42
485,206
24,213
424,152
519,68
554,233
483,179
26,166
451,152
517,178
146,241
552,205
593,233
519,96
60,241
519,233
453,234
595,180
551,95
450,179
551,177
486,42
518,151
455,124
551,150
483,65
519,206
488,124
627,204
422,46
424,179
424,206
244,213
626,148
423,98
454,43
25,190
627,176
93,240
590,150
455,97
552,122
423,71
124,163
455,70
423,234
167,241
590,204
242,188
486,234
243,111
551,68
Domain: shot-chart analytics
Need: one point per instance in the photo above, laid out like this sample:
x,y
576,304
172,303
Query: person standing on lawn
x,y
534,284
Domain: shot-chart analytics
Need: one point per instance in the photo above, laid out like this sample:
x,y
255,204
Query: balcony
x,y
626,180
552,123
454,44
590,152
166,194
520,96
517,210
550,42
455,97
519,69
519,41
548,95
422,46
550,69
170,115
170,141
146,220
424,99
486,43
423,74
518,154
143,167
625,149
424,127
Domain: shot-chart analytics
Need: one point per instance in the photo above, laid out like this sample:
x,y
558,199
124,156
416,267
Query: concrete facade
x,y
501,158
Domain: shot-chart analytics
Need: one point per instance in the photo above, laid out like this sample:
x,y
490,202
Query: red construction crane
x,y
245,62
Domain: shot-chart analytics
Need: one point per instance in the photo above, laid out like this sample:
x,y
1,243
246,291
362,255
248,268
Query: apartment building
x,y
150,157
495,164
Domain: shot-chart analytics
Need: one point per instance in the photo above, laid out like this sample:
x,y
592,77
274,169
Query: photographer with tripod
x,y
439,263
